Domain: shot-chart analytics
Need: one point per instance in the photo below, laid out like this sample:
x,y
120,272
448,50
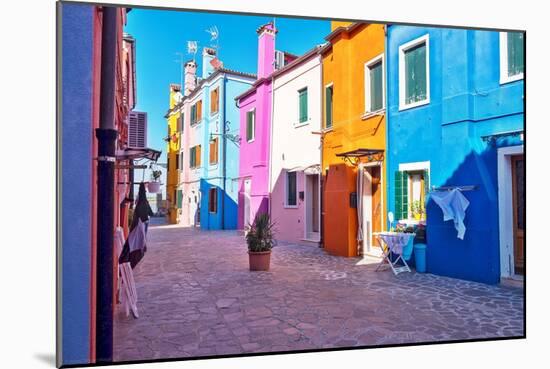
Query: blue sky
x,y
160,34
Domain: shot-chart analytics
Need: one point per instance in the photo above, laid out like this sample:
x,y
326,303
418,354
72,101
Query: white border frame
x,y
413,167
402,49
367,67
505,208
503,51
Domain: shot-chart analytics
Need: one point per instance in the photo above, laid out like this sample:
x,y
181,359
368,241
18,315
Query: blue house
x,y
209,154
456,118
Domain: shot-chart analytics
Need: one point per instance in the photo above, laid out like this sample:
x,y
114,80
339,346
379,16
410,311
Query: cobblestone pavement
x,y
198,298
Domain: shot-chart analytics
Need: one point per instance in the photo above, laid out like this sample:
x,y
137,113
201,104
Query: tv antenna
x,y
214,37
192,47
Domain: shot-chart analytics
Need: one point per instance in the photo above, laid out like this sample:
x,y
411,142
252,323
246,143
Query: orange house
x,y
353,138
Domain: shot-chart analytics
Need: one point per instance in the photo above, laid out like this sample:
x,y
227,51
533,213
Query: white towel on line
x,y
454,205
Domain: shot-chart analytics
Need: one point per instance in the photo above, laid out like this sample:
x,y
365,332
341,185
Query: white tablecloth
x,y
395,240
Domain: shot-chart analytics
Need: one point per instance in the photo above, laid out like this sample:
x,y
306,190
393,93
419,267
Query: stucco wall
x,y
467,101
294,144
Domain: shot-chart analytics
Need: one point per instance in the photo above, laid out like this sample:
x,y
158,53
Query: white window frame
x,y
287,206
367,68
402,49
415,167
253,125
503,50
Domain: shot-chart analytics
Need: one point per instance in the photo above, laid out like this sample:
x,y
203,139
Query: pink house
x,y
255,126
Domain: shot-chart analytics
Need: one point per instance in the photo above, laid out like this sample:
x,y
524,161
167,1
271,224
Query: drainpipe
x,y
321,169
106,135
224,150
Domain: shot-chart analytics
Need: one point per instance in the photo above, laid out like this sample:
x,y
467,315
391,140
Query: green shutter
x,y
180,198
192,157
426,187
375,72
415,74
328,106
515,53
401,195
302,100
182,116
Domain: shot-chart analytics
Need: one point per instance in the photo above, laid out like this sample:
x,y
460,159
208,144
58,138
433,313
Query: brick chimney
x,y
190,77
266,49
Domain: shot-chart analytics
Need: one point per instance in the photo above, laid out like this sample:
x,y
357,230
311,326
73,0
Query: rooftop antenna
x,y
192,47
214,37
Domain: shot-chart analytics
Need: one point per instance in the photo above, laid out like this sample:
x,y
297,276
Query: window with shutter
x,y
177,162
415,72
302,101
375,72
291,189
414,87
192,157
401,195
179,198
198,154
328,106
250,125
213,200
214,101
515,53
199,110
193,114
213,151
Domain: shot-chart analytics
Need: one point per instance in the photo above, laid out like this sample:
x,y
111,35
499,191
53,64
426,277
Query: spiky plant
x,y
260,236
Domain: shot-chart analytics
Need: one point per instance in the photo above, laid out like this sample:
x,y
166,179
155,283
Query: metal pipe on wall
x,y
106,135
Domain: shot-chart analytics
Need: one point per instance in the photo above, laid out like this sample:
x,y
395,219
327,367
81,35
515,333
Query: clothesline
x,y
450,188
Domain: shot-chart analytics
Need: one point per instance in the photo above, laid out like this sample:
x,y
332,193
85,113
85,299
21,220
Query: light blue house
x,y
210,139
456,118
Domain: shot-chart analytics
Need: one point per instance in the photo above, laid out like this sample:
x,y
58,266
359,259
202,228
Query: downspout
x,y
270,159
224,151
386,129
106,135
322,136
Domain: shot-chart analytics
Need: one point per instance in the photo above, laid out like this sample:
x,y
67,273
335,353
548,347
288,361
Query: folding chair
x,y
127,292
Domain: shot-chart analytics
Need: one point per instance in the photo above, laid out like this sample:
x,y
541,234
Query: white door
x,y
312,207
366,210
247,191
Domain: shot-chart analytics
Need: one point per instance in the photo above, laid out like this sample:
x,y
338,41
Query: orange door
x,y
518,193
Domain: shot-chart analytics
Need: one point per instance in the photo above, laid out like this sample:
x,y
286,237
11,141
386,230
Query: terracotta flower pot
x,y
259,260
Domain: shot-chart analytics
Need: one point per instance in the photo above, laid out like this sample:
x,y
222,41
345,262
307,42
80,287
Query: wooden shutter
x,y
179,198
199,110
375,72
401,195
291,188
214,151
213,200
214,101
302,101
328,106
515,53
193,114
177,161
198,155
192,157
415,74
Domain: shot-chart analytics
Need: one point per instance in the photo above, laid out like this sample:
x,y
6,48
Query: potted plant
x,y
417,209
260,241
154,185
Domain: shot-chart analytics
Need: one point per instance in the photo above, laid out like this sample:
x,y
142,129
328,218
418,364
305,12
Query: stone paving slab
x,y
196,297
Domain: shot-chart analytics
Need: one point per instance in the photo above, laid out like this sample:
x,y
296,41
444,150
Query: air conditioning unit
x,y
137,129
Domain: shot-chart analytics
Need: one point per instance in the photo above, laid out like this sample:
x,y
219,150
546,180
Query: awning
x,y
371,154
138,153
310,169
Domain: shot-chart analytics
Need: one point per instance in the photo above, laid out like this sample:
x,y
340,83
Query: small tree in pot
x,y
260,242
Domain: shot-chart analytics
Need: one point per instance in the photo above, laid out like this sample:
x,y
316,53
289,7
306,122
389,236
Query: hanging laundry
x,y
454,205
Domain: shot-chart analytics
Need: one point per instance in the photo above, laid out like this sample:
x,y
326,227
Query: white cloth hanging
x,y
454,205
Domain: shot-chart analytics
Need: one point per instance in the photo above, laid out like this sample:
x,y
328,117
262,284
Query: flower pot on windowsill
x,y
417,216
153,187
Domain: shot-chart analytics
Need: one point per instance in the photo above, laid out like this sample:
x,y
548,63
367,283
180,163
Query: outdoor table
x,y
393,242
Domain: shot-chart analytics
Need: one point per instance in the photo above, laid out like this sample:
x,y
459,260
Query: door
x,y
312,206
376,196
246,210
518,201
366,209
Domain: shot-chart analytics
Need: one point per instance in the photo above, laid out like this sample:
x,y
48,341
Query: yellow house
x,y
353,138
172,154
